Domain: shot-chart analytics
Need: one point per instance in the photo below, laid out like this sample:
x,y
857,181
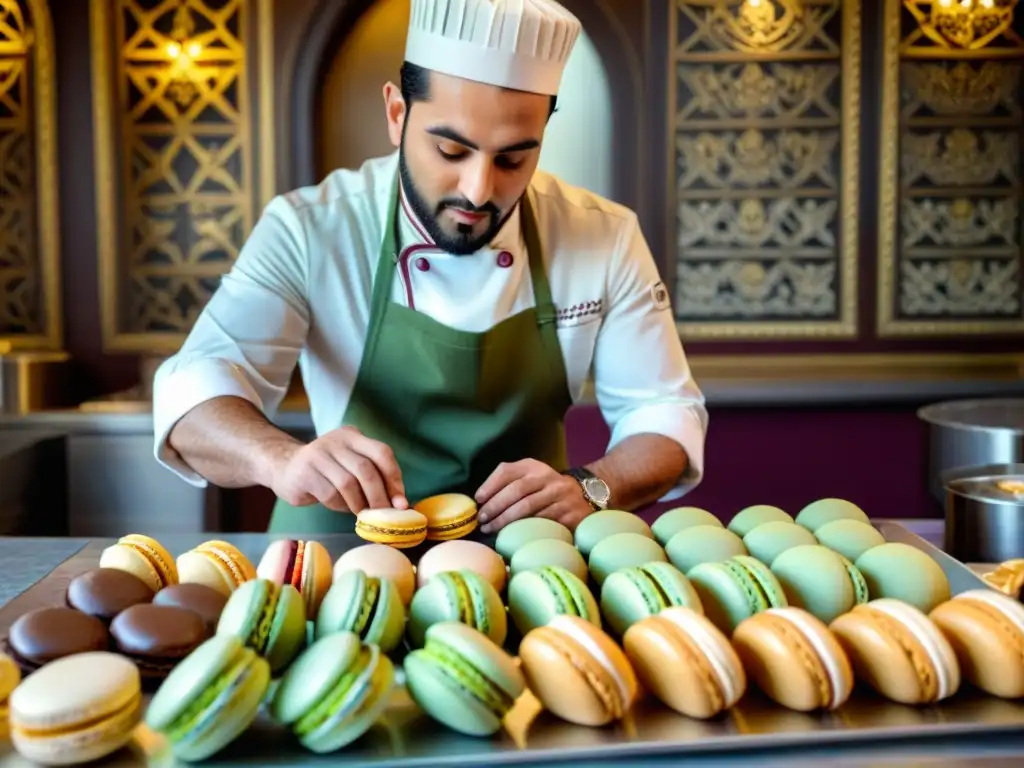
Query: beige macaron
x,y
380,561
458,555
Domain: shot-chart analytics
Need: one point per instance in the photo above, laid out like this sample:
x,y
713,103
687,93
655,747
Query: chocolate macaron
x,y
156,637
105,592
206,601
46,634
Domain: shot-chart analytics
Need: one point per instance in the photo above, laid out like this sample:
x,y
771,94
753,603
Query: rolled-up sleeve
x,y
642,379
248,338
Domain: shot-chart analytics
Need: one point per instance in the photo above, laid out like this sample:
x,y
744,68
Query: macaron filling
x,y
566,600
448,662
200,715
860,586
259,639
152,556
452,526
346,694
472,608
293,573
753,584
366,608
123,712
839,689
227,561
594,650
711,649
940,655
1007,607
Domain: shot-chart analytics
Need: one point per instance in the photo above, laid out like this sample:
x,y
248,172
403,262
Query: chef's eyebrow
x,y
444,132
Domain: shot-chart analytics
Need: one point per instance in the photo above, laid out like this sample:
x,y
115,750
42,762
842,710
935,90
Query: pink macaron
x,y
306,565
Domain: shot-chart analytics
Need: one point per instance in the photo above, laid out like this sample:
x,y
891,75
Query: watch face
x,y
597,489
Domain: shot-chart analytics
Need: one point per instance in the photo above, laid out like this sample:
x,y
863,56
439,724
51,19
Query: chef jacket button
x,y
504,259
422,264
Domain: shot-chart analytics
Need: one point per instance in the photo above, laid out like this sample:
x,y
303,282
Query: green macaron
x,y
903,572
673,521
608,522
210,698
367,605
519,533
820,581
850,538
824,511
537,596
462,596
769,540
632,594
334,692
623,550
735,589
746,520
548,552
463,680
267,617
703,544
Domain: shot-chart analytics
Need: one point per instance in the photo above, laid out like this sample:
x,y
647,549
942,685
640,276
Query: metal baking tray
x,y
406,737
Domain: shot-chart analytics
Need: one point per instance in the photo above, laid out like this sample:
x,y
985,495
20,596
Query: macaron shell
x,y
746,520
850,538
824,511
156,553
317,575
133,561
986,630
608,522
519,533
45,634
287,629
449,516
621,551
624,594
196,567
816,579
399,528
769,540
703,544
532,603
380,560
460,555
10,677
482,653
313,675
232,558
439,601
672,521
549,552
902,572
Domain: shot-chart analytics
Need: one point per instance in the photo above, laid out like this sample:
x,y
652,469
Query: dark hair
x,y
416,86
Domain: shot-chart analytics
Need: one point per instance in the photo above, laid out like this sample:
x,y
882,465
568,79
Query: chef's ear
x,y
395,109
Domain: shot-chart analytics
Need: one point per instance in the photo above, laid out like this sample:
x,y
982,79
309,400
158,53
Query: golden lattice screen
x,y
30,299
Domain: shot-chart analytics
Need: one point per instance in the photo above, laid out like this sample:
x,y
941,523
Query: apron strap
x,y
384,274
538,274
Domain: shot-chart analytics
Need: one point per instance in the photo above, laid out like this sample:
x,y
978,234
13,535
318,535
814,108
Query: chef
x,y
446,304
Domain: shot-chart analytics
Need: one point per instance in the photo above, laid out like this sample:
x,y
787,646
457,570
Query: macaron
x,y
621,551
794,659
519,533
462,556
381,561
703,544
608,522
457,596
216,564
746,520
899,652
306,565
538,595
824,511
44,635
902,572
769,540
986,631
202,600
210,698
736,589
267,617
105,592
156,637
820,581
685,662
578,672
76,710
463,679
850,538
10,677
399,528
543,552
334,692
673,521
632,594
367,606
449,516
144,557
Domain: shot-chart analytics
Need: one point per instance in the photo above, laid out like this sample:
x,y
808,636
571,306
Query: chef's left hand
x,y
530,488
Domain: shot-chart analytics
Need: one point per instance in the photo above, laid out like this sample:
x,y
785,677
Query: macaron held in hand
x,y
268,618
399,528
449,516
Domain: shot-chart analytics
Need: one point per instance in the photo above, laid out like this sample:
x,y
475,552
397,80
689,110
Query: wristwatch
x,y
595,490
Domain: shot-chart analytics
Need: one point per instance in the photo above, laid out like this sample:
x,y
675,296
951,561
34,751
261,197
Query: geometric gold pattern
x,y
951,227
764,133
183,176
30,300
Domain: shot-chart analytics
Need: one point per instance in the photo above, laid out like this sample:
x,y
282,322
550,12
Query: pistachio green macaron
x,y
548,552
367,605
746,520
769,540
736,589
463,596
703,544
673,521
519,533
608,522
824,511
850,538
267,617
903,572
538,595
621,551
635,593
822,582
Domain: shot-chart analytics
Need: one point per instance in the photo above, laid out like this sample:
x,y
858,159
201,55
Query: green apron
x,y
451,404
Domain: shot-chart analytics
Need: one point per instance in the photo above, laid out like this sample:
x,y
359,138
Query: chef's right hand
x,y
344,470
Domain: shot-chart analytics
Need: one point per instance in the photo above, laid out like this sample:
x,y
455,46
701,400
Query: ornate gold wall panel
x,y
952,192
30,289
181,96
764,133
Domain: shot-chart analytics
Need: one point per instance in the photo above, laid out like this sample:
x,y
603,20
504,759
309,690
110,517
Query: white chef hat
x,y
520,44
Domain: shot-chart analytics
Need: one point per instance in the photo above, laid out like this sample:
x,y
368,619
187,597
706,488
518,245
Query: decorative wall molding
x,y
182,100
951,203
30,284
764,137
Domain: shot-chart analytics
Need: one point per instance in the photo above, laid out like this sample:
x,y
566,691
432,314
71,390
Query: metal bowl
x,y
985,513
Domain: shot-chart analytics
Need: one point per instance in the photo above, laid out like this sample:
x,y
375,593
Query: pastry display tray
x,y
755,727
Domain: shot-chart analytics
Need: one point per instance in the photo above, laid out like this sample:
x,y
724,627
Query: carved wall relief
x,y
951,195
765,129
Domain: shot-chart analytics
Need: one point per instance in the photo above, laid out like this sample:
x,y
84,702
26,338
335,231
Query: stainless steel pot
x,y
985,513
972,433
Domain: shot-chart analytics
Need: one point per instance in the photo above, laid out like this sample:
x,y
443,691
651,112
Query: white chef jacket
x,y
301,287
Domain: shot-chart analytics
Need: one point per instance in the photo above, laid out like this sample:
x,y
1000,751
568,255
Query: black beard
x,y
464,243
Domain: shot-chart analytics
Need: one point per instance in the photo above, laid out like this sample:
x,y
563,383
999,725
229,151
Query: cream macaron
x,y
462,555
380,561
